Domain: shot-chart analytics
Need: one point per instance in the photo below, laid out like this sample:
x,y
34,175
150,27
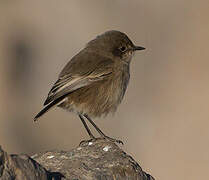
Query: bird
x,y
94,81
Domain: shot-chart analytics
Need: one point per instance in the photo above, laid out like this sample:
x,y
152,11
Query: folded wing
x,y
78,73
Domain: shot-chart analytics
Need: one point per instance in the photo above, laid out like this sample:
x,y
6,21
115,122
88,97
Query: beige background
x,y
164,118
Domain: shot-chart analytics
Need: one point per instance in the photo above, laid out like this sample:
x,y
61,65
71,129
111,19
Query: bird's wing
x,y
82,70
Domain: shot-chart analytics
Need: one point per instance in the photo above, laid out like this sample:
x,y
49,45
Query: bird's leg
x,y
86,127
100,131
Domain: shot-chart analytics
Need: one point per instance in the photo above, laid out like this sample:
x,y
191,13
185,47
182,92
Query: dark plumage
x,y
94,81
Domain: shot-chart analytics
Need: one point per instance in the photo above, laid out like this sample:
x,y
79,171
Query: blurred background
x,y
164,117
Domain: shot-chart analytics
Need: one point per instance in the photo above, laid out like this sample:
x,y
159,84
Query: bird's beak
x,y
139,48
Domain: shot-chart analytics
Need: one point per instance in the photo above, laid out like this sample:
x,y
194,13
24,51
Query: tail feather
x,y
49,106
43,111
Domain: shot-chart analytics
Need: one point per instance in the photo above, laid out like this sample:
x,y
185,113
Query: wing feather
x,y
75,77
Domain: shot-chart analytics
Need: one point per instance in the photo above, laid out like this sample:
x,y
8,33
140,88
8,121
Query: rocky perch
x,y
91,160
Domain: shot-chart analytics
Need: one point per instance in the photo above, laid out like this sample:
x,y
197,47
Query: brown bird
x,y
94,81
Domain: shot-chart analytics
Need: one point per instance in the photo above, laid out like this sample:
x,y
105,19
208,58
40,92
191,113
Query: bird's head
x,y
116,44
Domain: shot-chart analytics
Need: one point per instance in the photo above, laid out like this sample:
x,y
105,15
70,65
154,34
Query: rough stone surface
x,y
20,167
91,160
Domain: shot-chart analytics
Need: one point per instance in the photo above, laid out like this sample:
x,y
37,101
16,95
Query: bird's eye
x,y
122,48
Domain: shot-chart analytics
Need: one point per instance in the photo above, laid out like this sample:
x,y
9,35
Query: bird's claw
x,y
113,140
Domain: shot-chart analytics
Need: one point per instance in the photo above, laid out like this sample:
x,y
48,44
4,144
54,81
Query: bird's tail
x,y
44,110
49,106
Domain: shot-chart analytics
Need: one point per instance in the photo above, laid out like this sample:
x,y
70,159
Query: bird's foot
x,y
94,139
113,140
84,142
